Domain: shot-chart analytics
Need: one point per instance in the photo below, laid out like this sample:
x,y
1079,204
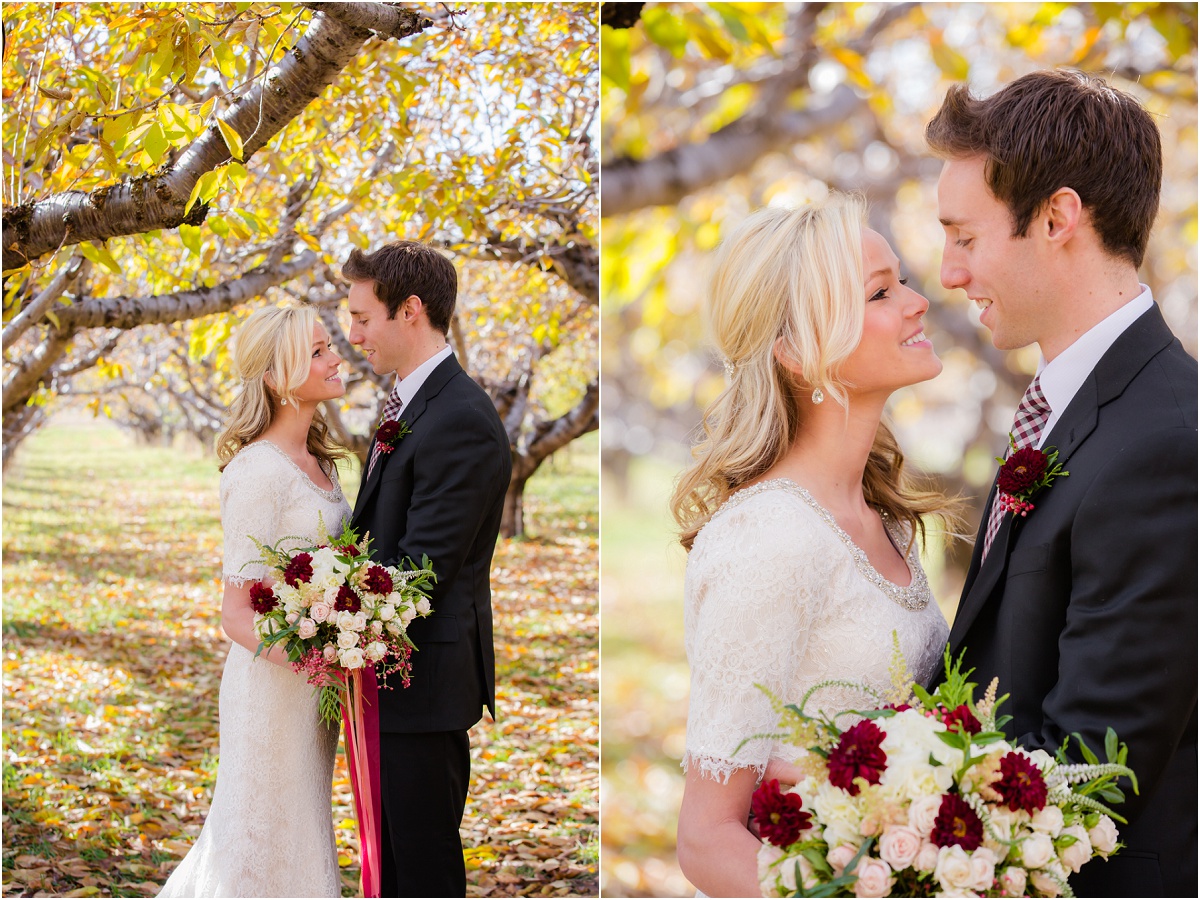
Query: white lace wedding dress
x,y
778,595
269,831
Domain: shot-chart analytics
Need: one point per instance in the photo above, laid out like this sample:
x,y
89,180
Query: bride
x,y
800,524
269,831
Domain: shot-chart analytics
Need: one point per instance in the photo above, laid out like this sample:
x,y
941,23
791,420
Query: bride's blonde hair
x,y
787,283
272,355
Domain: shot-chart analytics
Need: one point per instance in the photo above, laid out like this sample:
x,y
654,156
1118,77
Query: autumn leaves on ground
x,y
112,662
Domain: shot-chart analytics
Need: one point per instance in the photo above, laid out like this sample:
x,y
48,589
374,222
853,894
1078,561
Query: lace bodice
x,y
777,595
265,494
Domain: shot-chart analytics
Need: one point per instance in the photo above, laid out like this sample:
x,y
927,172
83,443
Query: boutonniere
x,y
1023,474
389,434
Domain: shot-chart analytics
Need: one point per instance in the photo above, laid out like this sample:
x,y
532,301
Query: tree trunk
x,y
512,524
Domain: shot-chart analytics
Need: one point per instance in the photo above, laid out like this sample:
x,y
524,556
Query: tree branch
x,y
43,301
381,18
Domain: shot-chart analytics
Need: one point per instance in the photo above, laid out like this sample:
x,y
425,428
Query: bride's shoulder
x,y
252,462
769,508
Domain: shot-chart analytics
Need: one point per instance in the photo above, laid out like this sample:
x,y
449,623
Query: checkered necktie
x,y
1027,427
391,409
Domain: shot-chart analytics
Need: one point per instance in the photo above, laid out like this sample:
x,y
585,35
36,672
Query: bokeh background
x,y
712,110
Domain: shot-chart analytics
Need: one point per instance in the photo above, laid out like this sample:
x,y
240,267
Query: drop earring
x,y
818,397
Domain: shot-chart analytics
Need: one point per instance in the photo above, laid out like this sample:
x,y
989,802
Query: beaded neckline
x,y
333,495
914,597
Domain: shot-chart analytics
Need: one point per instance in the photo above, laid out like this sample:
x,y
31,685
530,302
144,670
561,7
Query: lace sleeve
x,y
754,587
250,494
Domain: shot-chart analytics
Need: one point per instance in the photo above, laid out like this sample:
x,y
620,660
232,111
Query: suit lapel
x,y
412,411
1124,359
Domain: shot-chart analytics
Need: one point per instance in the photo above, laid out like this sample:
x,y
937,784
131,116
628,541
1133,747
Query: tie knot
x,y
1031,416
394,404
1034,400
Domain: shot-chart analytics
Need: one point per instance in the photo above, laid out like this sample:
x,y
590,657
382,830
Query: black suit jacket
x,y
440,492
1086,609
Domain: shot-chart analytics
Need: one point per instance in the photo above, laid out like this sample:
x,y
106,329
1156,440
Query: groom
x,y
1086,607
437,490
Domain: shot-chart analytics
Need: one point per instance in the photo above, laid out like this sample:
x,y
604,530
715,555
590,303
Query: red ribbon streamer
x,y
361,718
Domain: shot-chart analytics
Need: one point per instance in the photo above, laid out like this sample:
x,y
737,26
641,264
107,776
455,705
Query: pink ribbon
x,y
361,718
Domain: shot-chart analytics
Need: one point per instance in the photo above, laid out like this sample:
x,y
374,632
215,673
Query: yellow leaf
x,y
232,139
344,860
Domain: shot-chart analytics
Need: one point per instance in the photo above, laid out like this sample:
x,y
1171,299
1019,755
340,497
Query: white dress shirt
x,y
410,384
1062,377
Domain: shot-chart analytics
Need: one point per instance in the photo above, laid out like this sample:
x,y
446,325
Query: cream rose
x,y
320,611
953,870
839,857
330,653
1074,856
376,650
874,878
386,612
307,629
347,639
359,621
423,606
352,658
1037,850
406,616
345,620
927,858
922,812
1103,836
291,618
899,846
1012,880
1047,880
983,869
393,628
376,627
1048,819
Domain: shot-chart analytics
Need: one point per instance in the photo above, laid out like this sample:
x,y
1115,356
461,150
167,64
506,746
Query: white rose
x,y
1037,850
394,628
899,846
320,611
839,857
386,612
407,616
308,628
330,594
771,857
352,658
1012,880
423,606
922,813
376,627
953,869
345,620
874,878
1047,880
347,639
1103,836
376,650
394,597
359,621
1074,856
927,858
330,653
983,869
1048,819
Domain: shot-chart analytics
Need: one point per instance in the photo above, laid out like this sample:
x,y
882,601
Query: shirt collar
x,y
408,386
1062,377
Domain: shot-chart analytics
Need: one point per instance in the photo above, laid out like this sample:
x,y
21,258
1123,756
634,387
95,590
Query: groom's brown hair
x,y
1053,129
403,268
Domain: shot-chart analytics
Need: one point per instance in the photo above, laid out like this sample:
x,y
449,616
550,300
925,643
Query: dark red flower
x,y
857,755
299,570
779,816
957,823
963,718
1021,784
347,599
262,598
351,548
898,707
1021,470
388,434
378,581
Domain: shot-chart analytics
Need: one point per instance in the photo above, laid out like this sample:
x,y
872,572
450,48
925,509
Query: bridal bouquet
x,y
335,611
924,797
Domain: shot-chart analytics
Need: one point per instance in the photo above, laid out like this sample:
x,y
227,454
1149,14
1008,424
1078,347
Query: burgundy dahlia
x,y
963,718
1021,784
262,598
1021,471
857,755
779,816
387,435
378,581
299,570
347,600
957,823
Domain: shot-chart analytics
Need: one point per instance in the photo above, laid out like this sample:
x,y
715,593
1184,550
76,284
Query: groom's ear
x,y
411,307
1061,215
